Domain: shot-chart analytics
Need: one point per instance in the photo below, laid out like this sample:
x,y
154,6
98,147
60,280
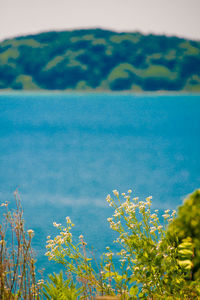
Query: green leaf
x,y
120,277
133,290
109,274
186,253
187,264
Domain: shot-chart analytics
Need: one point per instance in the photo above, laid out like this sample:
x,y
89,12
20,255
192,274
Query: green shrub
x,y
59,289
187,227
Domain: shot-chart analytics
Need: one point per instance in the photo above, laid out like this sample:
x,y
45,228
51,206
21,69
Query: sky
x,y
170,17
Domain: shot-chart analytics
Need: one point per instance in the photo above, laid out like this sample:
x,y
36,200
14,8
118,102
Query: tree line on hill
x,y
96,59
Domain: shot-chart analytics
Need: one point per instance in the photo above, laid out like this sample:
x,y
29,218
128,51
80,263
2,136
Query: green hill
x,y
98,59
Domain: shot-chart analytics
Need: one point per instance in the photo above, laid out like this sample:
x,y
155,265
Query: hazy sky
x,y
172,17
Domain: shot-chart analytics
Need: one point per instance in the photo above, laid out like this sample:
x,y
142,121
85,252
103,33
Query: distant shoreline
x,y
75,92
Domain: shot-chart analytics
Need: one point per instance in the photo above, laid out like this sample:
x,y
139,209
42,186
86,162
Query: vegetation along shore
x,y
99,60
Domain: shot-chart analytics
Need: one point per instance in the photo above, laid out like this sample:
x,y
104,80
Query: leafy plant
x,y
60,289
186,228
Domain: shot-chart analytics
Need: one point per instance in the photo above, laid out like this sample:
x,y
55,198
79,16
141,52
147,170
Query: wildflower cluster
x,y
55,246
145,256
148,262
151,262
73,256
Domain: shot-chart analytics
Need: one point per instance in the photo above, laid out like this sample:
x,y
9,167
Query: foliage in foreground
x,y
154,260
151,263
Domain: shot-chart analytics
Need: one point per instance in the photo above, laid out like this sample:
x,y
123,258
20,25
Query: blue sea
x,y
66,152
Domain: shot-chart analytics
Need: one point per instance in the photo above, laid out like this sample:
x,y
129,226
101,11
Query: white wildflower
x,y
56,224
135,199
4,204
108,198
109,254
68,220
153,229
141,208
117,214
109,219
165,216
30,232
153,216
116,193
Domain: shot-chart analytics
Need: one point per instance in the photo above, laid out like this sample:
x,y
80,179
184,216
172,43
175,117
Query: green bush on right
x,y
185,228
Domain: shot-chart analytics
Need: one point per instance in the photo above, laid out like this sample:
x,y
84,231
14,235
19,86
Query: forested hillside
x,y
99,60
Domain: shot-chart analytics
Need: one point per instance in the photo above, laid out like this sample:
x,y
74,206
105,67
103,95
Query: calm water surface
x,y
66,152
